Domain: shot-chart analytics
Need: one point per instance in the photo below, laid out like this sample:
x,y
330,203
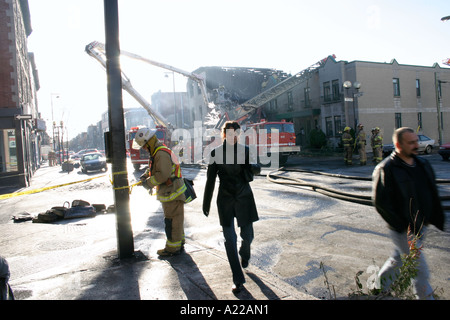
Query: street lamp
x,y
56,95
354,96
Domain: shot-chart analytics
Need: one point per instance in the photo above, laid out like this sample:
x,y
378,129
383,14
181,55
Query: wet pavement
x,y
77,259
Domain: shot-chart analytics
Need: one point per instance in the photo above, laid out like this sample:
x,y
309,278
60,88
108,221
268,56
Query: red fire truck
x,y
286,139
140,156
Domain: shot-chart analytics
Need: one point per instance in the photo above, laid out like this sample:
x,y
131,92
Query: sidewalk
x,y
77,259
199,273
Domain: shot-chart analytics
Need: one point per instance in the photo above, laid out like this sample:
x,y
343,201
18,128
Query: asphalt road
x,y
303,237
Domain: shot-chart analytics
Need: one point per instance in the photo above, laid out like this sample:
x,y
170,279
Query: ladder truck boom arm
x,y
99,55
100,48
246,109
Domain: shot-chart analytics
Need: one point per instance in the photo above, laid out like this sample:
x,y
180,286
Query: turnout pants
x,y
174,225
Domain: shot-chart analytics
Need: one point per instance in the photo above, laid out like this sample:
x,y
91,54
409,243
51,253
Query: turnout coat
x,y
235,197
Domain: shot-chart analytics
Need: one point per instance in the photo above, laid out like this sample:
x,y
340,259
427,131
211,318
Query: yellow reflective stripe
x,y
173,244
173,195
176,171
154,182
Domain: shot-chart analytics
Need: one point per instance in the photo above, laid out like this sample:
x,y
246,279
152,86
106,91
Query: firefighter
x,y
378,145
361,143
347,140
372,144
164,174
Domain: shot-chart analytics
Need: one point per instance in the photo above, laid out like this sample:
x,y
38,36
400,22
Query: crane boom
x,y
100,49
97,51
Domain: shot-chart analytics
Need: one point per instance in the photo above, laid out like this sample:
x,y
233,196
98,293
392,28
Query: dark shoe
x,y
236,288
244,263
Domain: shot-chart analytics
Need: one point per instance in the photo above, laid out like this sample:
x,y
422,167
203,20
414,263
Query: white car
x,y
425,144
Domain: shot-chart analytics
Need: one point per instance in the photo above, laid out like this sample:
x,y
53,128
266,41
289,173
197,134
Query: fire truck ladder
x,y
97,51
246,109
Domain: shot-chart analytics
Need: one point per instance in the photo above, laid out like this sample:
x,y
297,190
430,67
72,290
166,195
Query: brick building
x,y
20,124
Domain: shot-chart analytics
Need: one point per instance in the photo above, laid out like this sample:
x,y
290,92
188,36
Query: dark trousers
x,y
247,236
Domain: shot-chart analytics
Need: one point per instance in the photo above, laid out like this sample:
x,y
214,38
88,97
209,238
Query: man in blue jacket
x,y
406,197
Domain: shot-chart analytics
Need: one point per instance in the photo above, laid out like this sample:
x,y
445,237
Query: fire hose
x,y
346,196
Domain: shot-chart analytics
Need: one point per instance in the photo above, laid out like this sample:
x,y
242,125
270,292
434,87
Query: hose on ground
x,y
361,199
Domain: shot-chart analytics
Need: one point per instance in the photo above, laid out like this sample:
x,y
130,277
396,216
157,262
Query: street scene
x,y
302,238
205,153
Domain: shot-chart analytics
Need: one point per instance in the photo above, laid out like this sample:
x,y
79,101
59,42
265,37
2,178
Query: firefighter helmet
x,y
346,129
142,136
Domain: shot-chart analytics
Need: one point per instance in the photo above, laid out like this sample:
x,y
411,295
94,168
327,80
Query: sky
x,y
288,35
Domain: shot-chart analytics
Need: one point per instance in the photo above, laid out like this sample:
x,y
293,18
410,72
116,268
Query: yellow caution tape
x,y
125,187
15,194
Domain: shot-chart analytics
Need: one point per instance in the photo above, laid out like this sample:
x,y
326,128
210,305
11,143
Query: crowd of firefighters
x,y
360,142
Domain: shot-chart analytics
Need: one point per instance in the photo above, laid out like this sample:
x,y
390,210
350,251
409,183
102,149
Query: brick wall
x,y
15,84
6,55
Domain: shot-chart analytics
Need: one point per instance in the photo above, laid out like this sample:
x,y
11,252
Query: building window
x,y
290,100
419,120
398,120
337,125
335,88
326,91
273,105
439,90
306,92
329,126
8,153
417,87
396,83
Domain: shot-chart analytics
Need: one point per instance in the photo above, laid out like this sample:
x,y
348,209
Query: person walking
x,y
6,292
347,141
164,174
361,143
231,162
406,197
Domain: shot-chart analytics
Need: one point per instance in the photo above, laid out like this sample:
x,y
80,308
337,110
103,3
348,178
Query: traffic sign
x,y
23,117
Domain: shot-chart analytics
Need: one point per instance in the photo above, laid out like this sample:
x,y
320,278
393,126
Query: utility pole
x,y
125,246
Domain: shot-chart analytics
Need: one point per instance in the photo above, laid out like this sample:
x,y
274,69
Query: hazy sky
x,y
288,35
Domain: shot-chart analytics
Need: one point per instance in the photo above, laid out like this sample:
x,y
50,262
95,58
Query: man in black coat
x,y
406,196
231,162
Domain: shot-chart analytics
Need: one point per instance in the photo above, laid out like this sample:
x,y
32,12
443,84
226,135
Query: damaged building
x,y
227,88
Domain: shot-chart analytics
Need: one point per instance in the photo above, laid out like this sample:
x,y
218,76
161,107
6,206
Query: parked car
x,y
425,144
93,161
444,151
387,149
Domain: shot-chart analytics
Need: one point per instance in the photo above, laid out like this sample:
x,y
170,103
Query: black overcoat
x,y
235,196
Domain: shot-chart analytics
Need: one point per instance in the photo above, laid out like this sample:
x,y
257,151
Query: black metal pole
x,y
125,244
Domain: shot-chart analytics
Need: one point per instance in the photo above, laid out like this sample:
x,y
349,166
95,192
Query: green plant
x,y
317,138
326,282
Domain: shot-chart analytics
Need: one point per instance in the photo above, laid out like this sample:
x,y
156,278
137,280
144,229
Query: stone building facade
x,y
20,123
384,95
